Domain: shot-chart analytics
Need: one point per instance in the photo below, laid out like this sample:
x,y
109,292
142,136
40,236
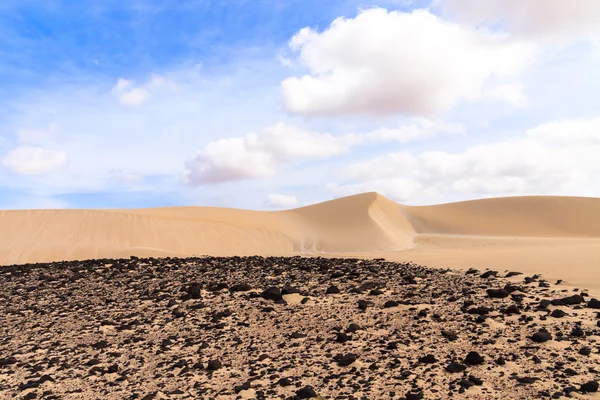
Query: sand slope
x,y
541,216
540,234
366,222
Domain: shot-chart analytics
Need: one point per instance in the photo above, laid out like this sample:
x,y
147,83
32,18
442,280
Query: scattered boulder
x,y
541,336
307,392
594,303
455,367
332,290
343,360
272,293
214,365
474,358
590,387
498,293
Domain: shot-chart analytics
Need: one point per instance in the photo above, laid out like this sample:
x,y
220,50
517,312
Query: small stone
x,y
415,396
390,304
473,358
497,293
541,336
345,360
585,351
590,387
428,359
307,392
332,290
455,367
214,365
594,303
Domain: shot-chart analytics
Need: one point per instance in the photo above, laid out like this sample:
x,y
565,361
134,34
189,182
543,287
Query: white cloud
x,y
28,160
128,94
511,93
27,136
131,95
258,155
555,158
541,19
418,130
392,62
275,200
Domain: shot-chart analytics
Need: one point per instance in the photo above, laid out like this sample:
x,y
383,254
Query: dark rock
x,y
568,301
194,291
594,303
473,358
390,304
113,369
240,287
497,293
284,382
272,293
428,359
415,396
455,367
332,290
364,304
512,309
590,387
511,274
344,360
289,290
541,336
214,365
341,337
449,335
297,335
307,392
585,351
8,361
475,380
527,380
244,386
489,274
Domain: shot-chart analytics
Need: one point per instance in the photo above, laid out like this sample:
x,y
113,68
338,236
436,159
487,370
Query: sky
x,y
278,104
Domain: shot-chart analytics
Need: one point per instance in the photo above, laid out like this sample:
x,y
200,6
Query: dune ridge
x,y
363,224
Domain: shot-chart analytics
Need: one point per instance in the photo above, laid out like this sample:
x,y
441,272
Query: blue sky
x,y
272,104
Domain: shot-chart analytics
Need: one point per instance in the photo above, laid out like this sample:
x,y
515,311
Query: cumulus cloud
x,y
275,200
256,155
33,160
28,136
129,94
261,154
554,158
541,19
384,62
511,93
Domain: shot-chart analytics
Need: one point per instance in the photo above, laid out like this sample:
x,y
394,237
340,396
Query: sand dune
x,y
533,216
540,234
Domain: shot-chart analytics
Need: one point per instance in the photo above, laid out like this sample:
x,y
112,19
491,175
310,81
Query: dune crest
x,y
364,223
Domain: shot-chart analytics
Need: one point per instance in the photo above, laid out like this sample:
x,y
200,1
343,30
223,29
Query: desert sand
x,y
556,236
291,328
484,299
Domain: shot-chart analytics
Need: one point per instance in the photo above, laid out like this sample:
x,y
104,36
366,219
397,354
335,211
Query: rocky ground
x,y
291,328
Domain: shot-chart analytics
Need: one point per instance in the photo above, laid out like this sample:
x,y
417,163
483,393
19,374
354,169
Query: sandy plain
x,y
556,236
